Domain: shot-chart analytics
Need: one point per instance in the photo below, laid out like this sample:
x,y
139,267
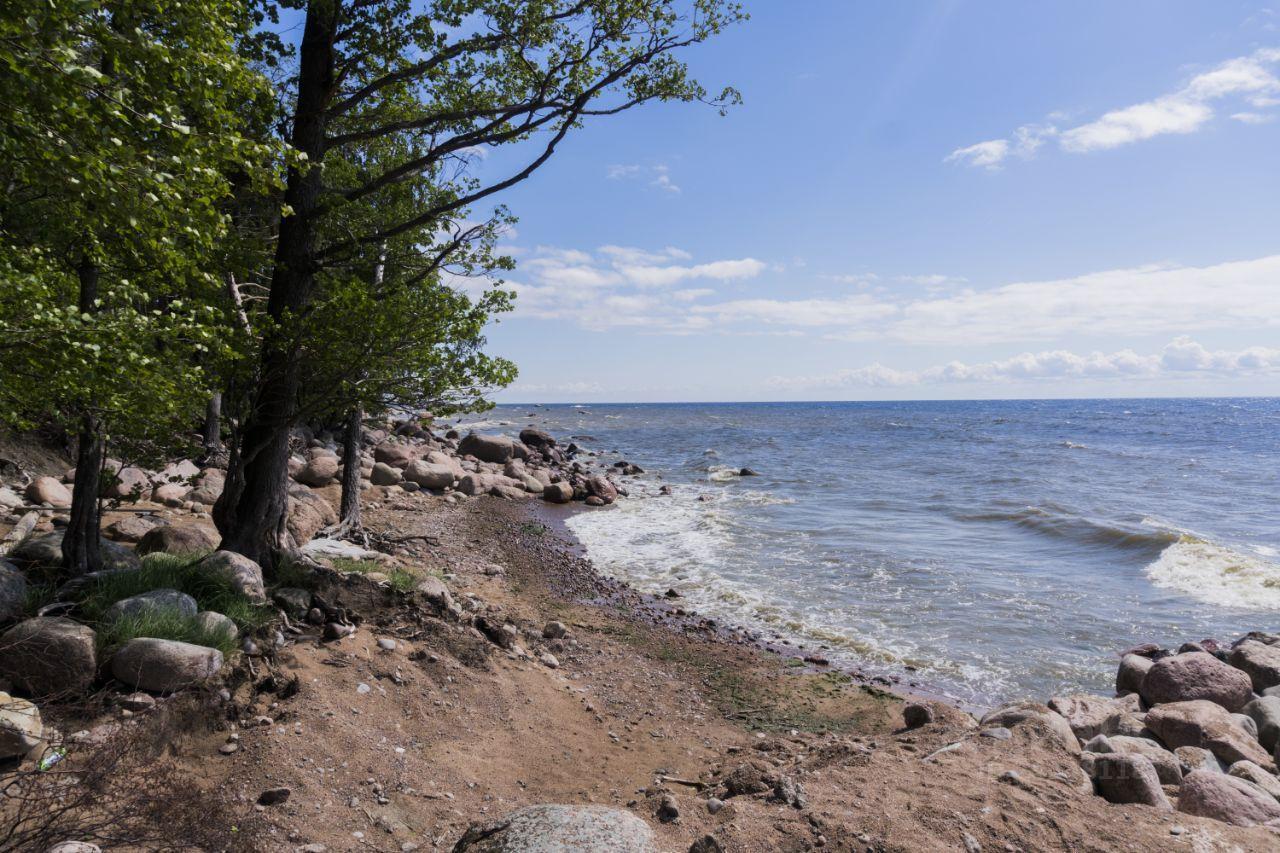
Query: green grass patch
x,y
534,528
403,581
162,625
364,567
167,571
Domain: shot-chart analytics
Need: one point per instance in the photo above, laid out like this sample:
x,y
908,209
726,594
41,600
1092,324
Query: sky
x,y
920,200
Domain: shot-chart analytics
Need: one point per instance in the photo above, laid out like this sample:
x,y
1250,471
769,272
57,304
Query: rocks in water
x,y
13,591
487,448
1259,661
320,471
542,828
1209,726
1133,669
49,656
916,714
537,439
558,493
21,729
1265,713
152,602
1015,715
1193,676
244,575
1226,798
163,666
182,541
385,475
47,490
599,486
430,475
1125,778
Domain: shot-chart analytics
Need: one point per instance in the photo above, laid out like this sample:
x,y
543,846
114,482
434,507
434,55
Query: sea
x,y
982,550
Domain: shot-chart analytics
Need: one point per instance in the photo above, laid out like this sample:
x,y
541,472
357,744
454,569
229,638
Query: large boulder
x,y
1251,772
1193,758
49,656
475,484
1088,716
1265,713
308,514
571,829
13,592
1209,726
1196,675
171,494
385,475
21,729
320,471
537,439
1259,661
163,666
244,575
45,551
557,493
183,471
218,624
1166,764
128,484
180,540
1128,778
395,455
601,487
429,475
47,490
1226,798
1133,669
131,528
208,486
487,448
152,602
1031,712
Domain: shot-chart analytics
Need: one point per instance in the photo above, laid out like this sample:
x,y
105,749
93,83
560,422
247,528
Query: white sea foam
x,y
1217,574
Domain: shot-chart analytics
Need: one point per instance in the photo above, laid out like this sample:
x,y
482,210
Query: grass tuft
x,y
364,567
162,625
293,573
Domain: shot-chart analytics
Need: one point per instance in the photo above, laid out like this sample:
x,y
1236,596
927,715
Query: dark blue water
x,y
993,549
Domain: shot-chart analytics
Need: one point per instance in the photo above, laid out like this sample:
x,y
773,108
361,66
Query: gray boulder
x,y
385,475
561,829
151,602
487,448
49,656
244,574
1260,661
183,541
1251,772
1202,723
537,439
1168,767
213,622
558,493
600,486
308,514
295,602
1193,758
475,484
1265,713
1087,715
1226,798
430,475
1196,675
208,486
163,666
1122,778
13,591
1055,723
1133,669
45,551
21,728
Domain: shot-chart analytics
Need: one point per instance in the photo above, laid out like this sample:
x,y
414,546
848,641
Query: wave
x,y
1061,524
1217,574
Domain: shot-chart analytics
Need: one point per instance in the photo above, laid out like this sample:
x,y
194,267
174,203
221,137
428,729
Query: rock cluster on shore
x,y
1195,730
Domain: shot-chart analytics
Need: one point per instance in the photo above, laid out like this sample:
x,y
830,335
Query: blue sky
x,y
933,199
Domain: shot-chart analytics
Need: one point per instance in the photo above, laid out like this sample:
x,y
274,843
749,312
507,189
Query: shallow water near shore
x,y
987,550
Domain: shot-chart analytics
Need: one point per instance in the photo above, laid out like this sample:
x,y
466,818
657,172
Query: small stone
x,y
549,660
554,631
387,644
668,809
714,805
228,748
274,796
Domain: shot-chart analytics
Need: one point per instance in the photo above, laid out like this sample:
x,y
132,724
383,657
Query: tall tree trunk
x,y
349,511
81,544
211,433
252,510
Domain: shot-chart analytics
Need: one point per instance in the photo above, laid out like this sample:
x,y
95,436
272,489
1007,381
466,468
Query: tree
x,y
453,76
117,136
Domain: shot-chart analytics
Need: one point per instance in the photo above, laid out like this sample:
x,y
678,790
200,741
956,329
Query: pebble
x,y
387,644
714,805
549,660
668,809
228,748
363,688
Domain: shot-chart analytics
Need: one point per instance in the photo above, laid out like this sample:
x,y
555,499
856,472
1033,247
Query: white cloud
x,y
1182,357
662,180
659,174
622,171
1188,109
1253,118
